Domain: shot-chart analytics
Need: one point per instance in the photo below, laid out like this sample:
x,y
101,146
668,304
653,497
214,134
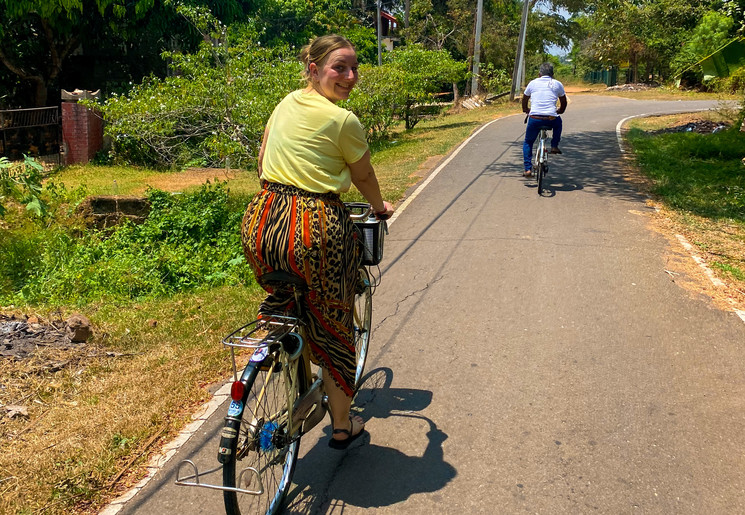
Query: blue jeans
x,y
531,133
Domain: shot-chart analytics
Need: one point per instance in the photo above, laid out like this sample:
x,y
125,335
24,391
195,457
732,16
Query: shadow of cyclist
x,y
369,475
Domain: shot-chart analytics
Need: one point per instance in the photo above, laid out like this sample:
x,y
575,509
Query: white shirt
x,y
544,92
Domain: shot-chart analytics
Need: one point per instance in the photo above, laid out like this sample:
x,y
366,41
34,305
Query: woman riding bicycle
x,y
311,152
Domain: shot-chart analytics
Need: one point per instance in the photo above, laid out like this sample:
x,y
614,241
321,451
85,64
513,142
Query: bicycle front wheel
x,y
262,459
362,324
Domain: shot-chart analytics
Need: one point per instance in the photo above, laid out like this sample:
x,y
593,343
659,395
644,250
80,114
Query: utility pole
x,y
517,72
477,48
380,48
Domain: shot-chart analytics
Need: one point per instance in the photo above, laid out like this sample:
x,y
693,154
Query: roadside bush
x,y
188,242
375,98
215,108
494,80
409,77
424,73
21,182
733,84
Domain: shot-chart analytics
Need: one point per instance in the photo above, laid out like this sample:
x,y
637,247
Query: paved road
x,y
530,355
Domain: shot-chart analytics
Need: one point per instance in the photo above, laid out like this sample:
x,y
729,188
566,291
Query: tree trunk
x,y
40,92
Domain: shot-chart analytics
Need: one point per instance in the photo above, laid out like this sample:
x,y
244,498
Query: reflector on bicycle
x,y
236,391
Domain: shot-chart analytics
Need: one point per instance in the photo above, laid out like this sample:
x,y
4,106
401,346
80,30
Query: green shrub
x,y
409,76
188,242
493,79
21,182
214,109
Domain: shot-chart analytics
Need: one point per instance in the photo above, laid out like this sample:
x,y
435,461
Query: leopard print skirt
x,y
311,235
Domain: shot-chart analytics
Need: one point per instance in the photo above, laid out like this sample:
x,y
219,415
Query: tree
x,y
647,33
36,36
712,32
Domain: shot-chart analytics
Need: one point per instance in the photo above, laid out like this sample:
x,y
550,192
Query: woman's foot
x,y
343,436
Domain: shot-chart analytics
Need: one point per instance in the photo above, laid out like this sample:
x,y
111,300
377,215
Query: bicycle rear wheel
x,y
362,324
540,175
262,458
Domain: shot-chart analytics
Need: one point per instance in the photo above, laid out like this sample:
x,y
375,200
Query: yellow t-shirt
x,y
309,143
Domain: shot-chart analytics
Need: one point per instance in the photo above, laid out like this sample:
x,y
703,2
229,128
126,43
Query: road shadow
x,y
590,161
368,475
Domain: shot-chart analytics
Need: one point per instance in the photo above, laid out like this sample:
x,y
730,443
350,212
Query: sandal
x,y
343,444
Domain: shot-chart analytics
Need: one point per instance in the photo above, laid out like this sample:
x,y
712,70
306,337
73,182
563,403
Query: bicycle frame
x,y
541,154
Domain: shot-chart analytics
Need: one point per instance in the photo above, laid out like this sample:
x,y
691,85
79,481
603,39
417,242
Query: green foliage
x,y
699,173
709,35
493,79
733,84
375,98
295,22
644,35
38,36
409,77
365,42
188,242
21,182
735,9
214,109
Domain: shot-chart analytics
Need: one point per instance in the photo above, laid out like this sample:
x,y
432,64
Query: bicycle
x,y
540,161
278,398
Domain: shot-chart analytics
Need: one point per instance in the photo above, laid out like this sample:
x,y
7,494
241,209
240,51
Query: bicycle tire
x,y
541,173
538,154
269,451
362,325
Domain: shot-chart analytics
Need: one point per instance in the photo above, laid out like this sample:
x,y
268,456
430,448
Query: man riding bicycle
x,y
542,94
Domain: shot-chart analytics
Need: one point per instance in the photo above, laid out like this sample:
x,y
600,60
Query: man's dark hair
x,y
546,69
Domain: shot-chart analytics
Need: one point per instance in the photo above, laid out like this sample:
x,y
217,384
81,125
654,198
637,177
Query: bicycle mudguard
x,y
235,410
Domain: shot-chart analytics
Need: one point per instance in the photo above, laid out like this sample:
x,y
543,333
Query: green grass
x,y
737,273
700,179
699,173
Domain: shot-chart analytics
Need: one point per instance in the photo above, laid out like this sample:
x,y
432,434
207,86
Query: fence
x,y
33,132
609,76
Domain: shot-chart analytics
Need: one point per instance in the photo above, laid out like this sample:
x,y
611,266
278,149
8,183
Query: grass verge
x,y
96,413
699,179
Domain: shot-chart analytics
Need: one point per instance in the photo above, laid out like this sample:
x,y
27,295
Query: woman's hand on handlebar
x,y
386,213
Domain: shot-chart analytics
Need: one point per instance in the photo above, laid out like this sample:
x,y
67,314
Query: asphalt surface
x,y
530,354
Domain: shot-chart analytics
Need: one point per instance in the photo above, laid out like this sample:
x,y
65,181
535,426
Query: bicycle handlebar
x,y
362,211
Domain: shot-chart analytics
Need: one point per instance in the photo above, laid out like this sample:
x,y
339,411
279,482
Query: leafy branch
x,y
22,182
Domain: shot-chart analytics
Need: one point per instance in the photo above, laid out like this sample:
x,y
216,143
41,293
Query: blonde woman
x,y
312,151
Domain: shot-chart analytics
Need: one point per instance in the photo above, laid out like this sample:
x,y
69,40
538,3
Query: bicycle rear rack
x,y
194,479
260,334
310,408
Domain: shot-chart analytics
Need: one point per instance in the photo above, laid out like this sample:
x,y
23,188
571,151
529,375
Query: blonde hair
x,y
318,50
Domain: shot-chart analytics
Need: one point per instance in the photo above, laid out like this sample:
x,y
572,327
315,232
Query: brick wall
x,y
82,133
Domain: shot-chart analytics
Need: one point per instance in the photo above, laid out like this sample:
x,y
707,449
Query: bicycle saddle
x,y
280,277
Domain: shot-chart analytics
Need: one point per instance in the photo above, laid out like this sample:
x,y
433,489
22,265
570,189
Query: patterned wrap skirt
x,y
311,235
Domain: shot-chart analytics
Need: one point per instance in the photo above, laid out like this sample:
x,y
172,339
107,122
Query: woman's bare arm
x,y
364,179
